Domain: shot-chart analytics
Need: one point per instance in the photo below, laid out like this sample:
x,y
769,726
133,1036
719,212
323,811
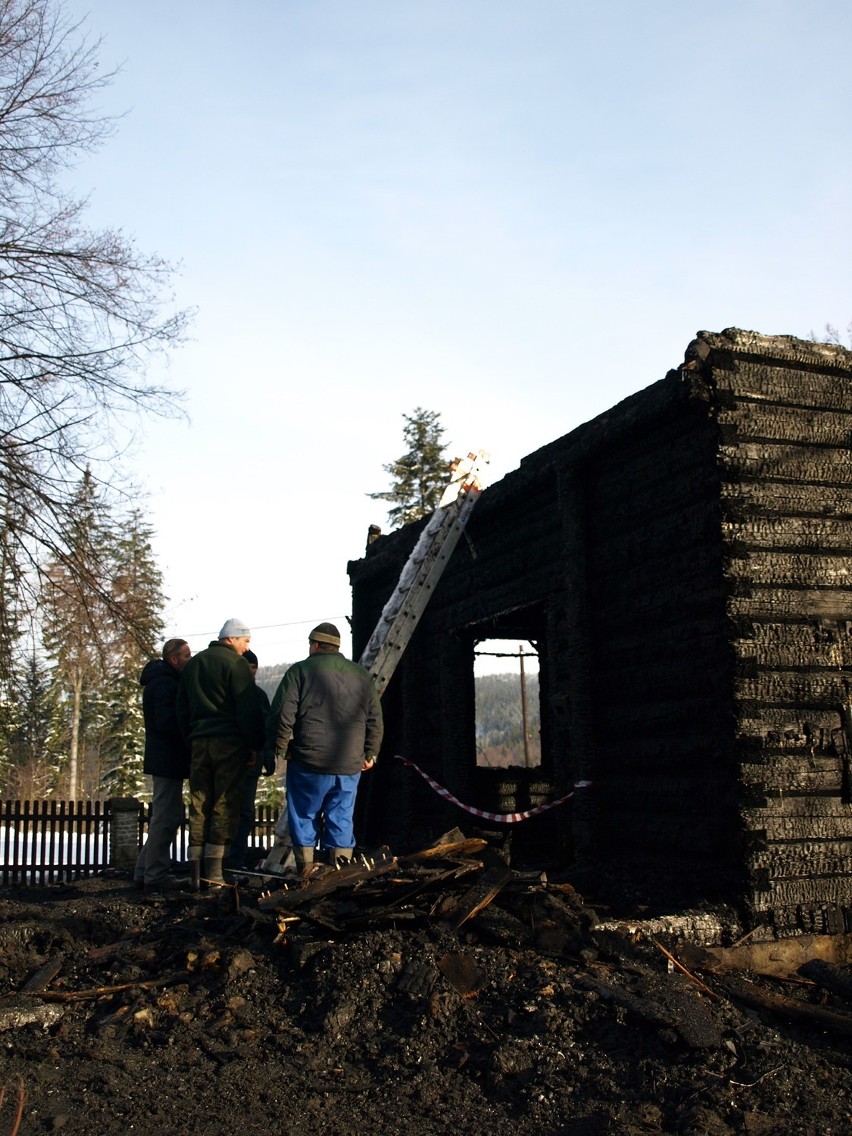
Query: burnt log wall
x,y
785,415
662,764
683,562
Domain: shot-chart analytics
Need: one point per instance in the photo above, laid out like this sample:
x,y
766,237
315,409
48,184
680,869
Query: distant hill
x,y
499,721
268,678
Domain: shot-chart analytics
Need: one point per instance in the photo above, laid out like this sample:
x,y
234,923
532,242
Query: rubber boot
x,y
304,856
214,854
279,858
195,853
335,855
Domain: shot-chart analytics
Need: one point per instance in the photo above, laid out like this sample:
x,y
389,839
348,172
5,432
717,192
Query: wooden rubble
x,y
387,890
453,887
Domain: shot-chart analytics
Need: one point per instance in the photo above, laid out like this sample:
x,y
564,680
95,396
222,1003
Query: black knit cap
x,y
251,658
325,633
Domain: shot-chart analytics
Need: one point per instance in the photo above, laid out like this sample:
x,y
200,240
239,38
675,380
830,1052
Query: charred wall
x,y
682,562
785,416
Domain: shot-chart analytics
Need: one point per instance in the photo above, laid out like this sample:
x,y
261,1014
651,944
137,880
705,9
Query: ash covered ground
x,y
220,1014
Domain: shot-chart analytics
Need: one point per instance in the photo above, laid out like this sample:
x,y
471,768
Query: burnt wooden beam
x,y
818,1017
316,886
479,896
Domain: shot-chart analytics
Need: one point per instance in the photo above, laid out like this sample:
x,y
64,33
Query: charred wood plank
x,y
325,883
479,896
463,847
43,976
787,498
774,604
817,1017
777,460
688,1017
771,421
802,859
832,978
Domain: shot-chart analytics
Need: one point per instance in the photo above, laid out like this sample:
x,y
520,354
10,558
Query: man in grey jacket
x,y
326,719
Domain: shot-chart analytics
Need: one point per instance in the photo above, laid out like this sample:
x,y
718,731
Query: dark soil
x,y
215,1020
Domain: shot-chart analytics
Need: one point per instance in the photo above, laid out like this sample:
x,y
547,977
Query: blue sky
x,y
516,214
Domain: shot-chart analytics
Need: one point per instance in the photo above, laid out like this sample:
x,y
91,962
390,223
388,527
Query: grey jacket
x,y
327,709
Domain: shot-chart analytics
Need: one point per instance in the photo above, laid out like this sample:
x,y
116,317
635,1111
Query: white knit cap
x,y
233,629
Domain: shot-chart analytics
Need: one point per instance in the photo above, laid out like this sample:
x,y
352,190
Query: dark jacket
x,y
266,757
217,697
166,751
328,705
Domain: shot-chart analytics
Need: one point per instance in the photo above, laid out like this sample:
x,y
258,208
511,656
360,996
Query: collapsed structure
x,y
682,563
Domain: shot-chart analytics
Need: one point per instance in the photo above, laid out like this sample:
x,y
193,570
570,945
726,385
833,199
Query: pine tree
x,y
102,621
32,741
421,474
137,594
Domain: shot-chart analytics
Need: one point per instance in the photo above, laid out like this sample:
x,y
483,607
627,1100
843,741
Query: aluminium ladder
x,y
402,612
423,569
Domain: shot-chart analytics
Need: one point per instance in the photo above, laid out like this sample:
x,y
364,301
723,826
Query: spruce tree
x,y
137,596
33,740
420,475
102,604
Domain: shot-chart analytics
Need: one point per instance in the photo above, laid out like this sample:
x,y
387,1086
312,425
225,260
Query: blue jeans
x,y
330,796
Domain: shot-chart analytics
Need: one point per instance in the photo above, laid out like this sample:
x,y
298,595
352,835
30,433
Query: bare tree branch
x,y
81,312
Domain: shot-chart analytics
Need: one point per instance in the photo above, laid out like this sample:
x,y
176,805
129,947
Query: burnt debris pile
x,y
435,992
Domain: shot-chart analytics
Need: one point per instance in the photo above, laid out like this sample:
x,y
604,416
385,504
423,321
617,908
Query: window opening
x,y
508,708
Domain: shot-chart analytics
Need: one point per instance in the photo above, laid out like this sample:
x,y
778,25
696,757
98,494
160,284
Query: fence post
x,y
124,832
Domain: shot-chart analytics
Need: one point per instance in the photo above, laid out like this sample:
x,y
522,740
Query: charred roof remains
x,y
682,564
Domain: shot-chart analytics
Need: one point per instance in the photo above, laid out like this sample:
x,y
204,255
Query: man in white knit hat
x,y
220,715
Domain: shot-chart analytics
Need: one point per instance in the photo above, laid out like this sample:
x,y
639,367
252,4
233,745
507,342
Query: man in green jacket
x,y
220,715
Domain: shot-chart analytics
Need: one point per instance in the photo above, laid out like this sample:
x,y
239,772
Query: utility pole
x,y
524,707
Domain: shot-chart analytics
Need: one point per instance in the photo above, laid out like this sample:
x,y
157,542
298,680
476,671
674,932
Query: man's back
x,y
166,753
330,706
217,697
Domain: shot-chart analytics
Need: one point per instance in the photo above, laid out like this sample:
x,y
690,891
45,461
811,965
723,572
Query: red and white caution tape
x,y
501,818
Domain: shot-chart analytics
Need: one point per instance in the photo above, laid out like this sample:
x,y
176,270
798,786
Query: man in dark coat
x,y
166,760
265,763
220,715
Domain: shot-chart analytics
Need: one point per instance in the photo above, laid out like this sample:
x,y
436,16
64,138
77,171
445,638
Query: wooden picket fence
x,y
47,842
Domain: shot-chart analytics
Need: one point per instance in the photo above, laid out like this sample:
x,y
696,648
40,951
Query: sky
x,y
513,212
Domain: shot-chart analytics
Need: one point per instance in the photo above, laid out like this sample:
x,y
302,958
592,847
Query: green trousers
x,y
217,770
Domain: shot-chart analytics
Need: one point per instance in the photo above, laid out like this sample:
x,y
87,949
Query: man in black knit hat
x,y
327,711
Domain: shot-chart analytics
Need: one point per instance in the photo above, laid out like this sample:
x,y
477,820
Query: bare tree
x,y
75,620
831,334
80,312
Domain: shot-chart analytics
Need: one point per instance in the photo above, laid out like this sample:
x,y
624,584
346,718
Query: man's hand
x,y
369,763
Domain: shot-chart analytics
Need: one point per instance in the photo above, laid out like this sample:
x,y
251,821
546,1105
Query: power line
x,y
268,626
